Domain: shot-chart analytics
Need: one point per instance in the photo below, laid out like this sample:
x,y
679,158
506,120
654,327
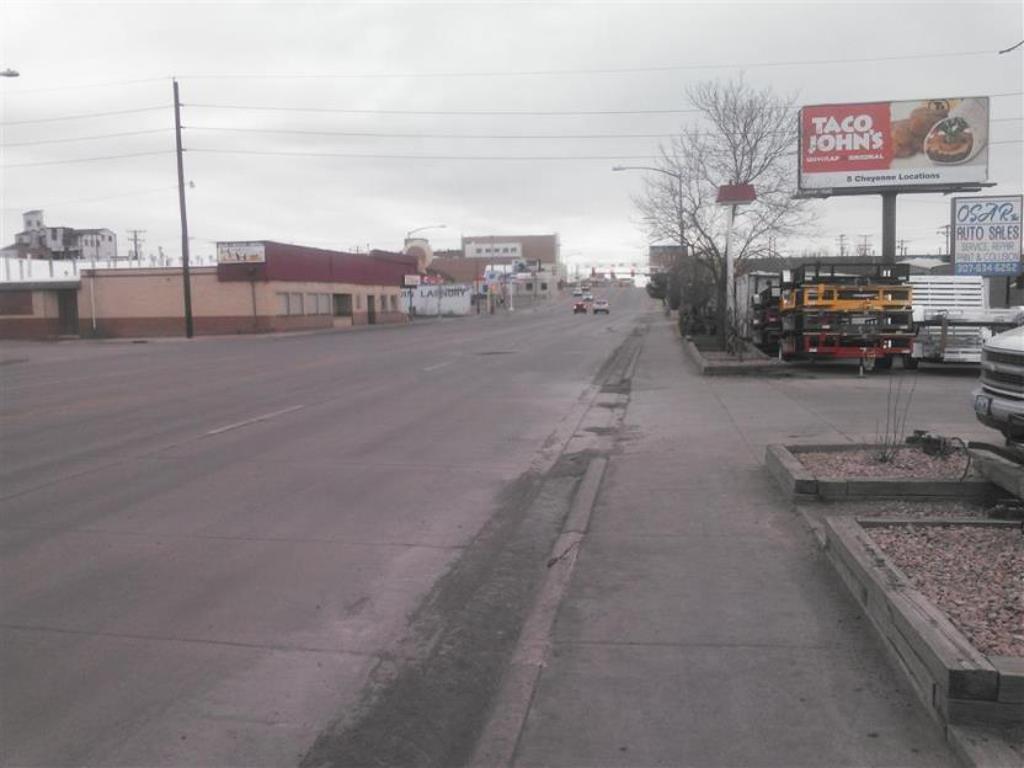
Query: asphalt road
x,y
211,548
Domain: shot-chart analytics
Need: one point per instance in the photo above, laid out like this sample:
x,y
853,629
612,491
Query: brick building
x,y
256,287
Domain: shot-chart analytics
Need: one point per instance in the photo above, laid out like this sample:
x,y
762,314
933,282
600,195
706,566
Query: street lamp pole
x,y
679,207
408,237
411,232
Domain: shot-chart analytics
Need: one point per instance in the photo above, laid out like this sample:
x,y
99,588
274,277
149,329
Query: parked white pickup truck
x,y
953,319
999,396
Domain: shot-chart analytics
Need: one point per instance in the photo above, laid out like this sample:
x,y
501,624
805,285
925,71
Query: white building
x,y
39,241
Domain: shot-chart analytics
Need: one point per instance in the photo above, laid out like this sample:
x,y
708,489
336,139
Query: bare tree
x,y
746,136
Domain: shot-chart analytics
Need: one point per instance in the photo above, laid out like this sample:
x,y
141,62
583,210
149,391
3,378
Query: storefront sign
x,y
894,144
986,235
241,253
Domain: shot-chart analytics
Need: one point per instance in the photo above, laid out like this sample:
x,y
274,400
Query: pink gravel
x,y
974,574
910,462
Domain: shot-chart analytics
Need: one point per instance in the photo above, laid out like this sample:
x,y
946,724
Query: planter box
x,y
1006,474
755,363
798,481
957,684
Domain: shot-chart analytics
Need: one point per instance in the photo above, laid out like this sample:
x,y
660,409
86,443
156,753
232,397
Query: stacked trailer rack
x,y
766,320
863,312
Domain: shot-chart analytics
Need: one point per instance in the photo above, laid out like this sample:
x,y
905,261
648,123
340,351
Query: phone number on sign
x,y
989,268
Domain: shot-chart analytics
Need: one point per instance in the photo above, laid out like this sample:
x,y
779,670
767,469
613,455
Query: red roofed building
x,y
257,286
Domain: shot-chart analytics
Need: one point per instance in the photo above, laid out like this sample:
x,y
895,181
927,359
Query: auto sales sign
x,y
934,142
986,235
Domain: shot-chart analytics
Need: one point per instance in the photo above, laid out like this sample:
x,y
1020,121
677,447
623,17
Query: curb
x,y
500,737
983,747
799,483
958,686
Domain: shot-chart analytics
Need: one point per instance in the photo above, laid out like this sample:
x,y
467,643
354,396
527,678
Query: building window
x,y
295,304
543,286
359,301
529,286
325,303
282,303
394,303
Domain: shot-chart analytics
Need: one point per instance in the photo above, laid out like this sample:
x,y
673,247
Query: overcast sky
x,y
446,58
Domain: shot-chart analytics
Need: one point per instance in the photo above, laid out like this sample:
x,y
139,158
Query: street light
x,y
679,210
411,232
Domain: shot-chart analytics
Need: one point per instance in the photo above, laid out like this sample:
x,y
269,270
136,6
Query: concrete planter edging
x,y
958,685
798,481
757,364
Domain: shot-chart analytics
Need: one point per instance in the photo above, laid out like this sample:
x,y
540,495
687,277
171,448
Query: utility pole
x,y
864,249
841,241
134,235
185,276
944,231
902,247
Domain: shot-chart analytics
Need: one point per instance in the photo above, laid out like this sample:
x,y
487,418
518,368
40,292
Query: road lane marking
x,y
253,420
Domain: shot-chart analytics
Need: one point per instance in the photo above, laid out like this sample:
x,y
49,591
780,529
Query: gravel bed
x,y
975,575
925,508
909,462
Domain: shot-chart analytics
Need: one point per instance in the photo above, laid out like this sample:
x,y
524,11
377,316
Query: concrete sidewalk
x,y
702,626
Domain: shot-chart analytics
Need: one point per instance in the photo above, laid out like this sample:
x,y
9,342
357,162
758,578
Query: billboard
x,y
985,235
933,142
241,253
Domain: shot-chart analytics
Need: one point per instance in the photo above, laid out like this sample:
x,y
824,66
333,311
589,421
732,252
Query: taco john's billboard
x,y
894,144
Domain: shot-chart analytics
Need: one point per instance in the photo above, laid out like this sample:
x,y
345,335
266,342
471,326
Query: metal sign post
x,y
732,195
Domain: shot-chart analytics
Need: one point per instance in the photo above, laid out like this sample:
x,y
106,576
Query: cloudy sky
x,y
377,118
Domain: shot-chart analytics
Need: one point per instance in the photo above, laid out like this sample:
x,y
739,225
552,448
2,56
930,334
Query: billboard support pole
x,y
888,227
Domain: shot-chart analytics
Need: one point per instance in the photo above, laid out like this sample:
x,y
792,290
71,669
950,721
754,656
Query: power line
x,y
22,92
486,112
500,113
521,73
376,134
82,116
133,193
357,156
86,159
585,71
373,134
85,138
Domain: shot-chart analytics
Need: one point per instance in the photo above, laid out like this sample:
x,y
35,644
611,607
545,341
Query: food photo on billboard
x,y
892,144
